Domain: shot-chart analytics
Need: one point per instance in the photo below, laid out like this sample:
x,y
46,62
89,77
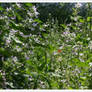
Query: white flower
x,y
55,53
88,39
18,48
8,41
69,24
34,24
78,5
90,45
90,63
45,25
81,54
73,34
35,11
5,17
8,9
61,47
66,33
75,53
16,73
30,20
80,30
29,13
12,32
34,8
15,59
32,29
67,40
59,59
63,80
0,71
18,5
25,75
81,60
1,17
75,18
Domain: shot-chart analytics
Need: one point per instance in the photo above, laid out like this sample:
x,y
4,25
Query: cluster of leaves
x,y
36,55
61,11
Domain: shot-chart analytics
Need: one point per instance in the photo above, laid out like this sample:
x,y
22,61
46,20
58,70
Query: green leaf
x,y
81,20
63,25
2,49
89,18
83,78
28,4
1,8
37,20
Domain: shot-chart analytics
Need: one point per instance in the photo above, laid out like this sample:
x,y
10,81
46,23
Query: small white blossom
x,y
69,24
88,39
81,60
16,73
90,63
55,53
34,24
35,11
78,5
29,13
30,20
90,45
45,25
8,9
8,40
60,58
75,18
18,5
15,59
1,17
81,54
61,47
18,48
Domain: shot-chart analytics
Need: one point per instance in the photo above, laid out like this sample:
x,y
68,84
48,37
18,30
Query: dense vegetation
x,y
44,53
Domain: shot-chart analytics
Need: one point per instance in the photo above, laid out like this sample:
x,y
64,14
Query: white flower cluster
x,y
78,5
35,11
18,49
15,59
8,9
90,45
19,5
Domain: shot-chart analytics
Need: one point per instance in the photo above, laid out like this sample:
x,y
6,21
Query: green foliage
x,y
37,55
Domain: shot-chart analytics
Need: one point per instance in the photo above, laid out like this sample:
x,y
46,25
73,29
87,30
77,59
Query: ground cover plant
x,y
45,55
